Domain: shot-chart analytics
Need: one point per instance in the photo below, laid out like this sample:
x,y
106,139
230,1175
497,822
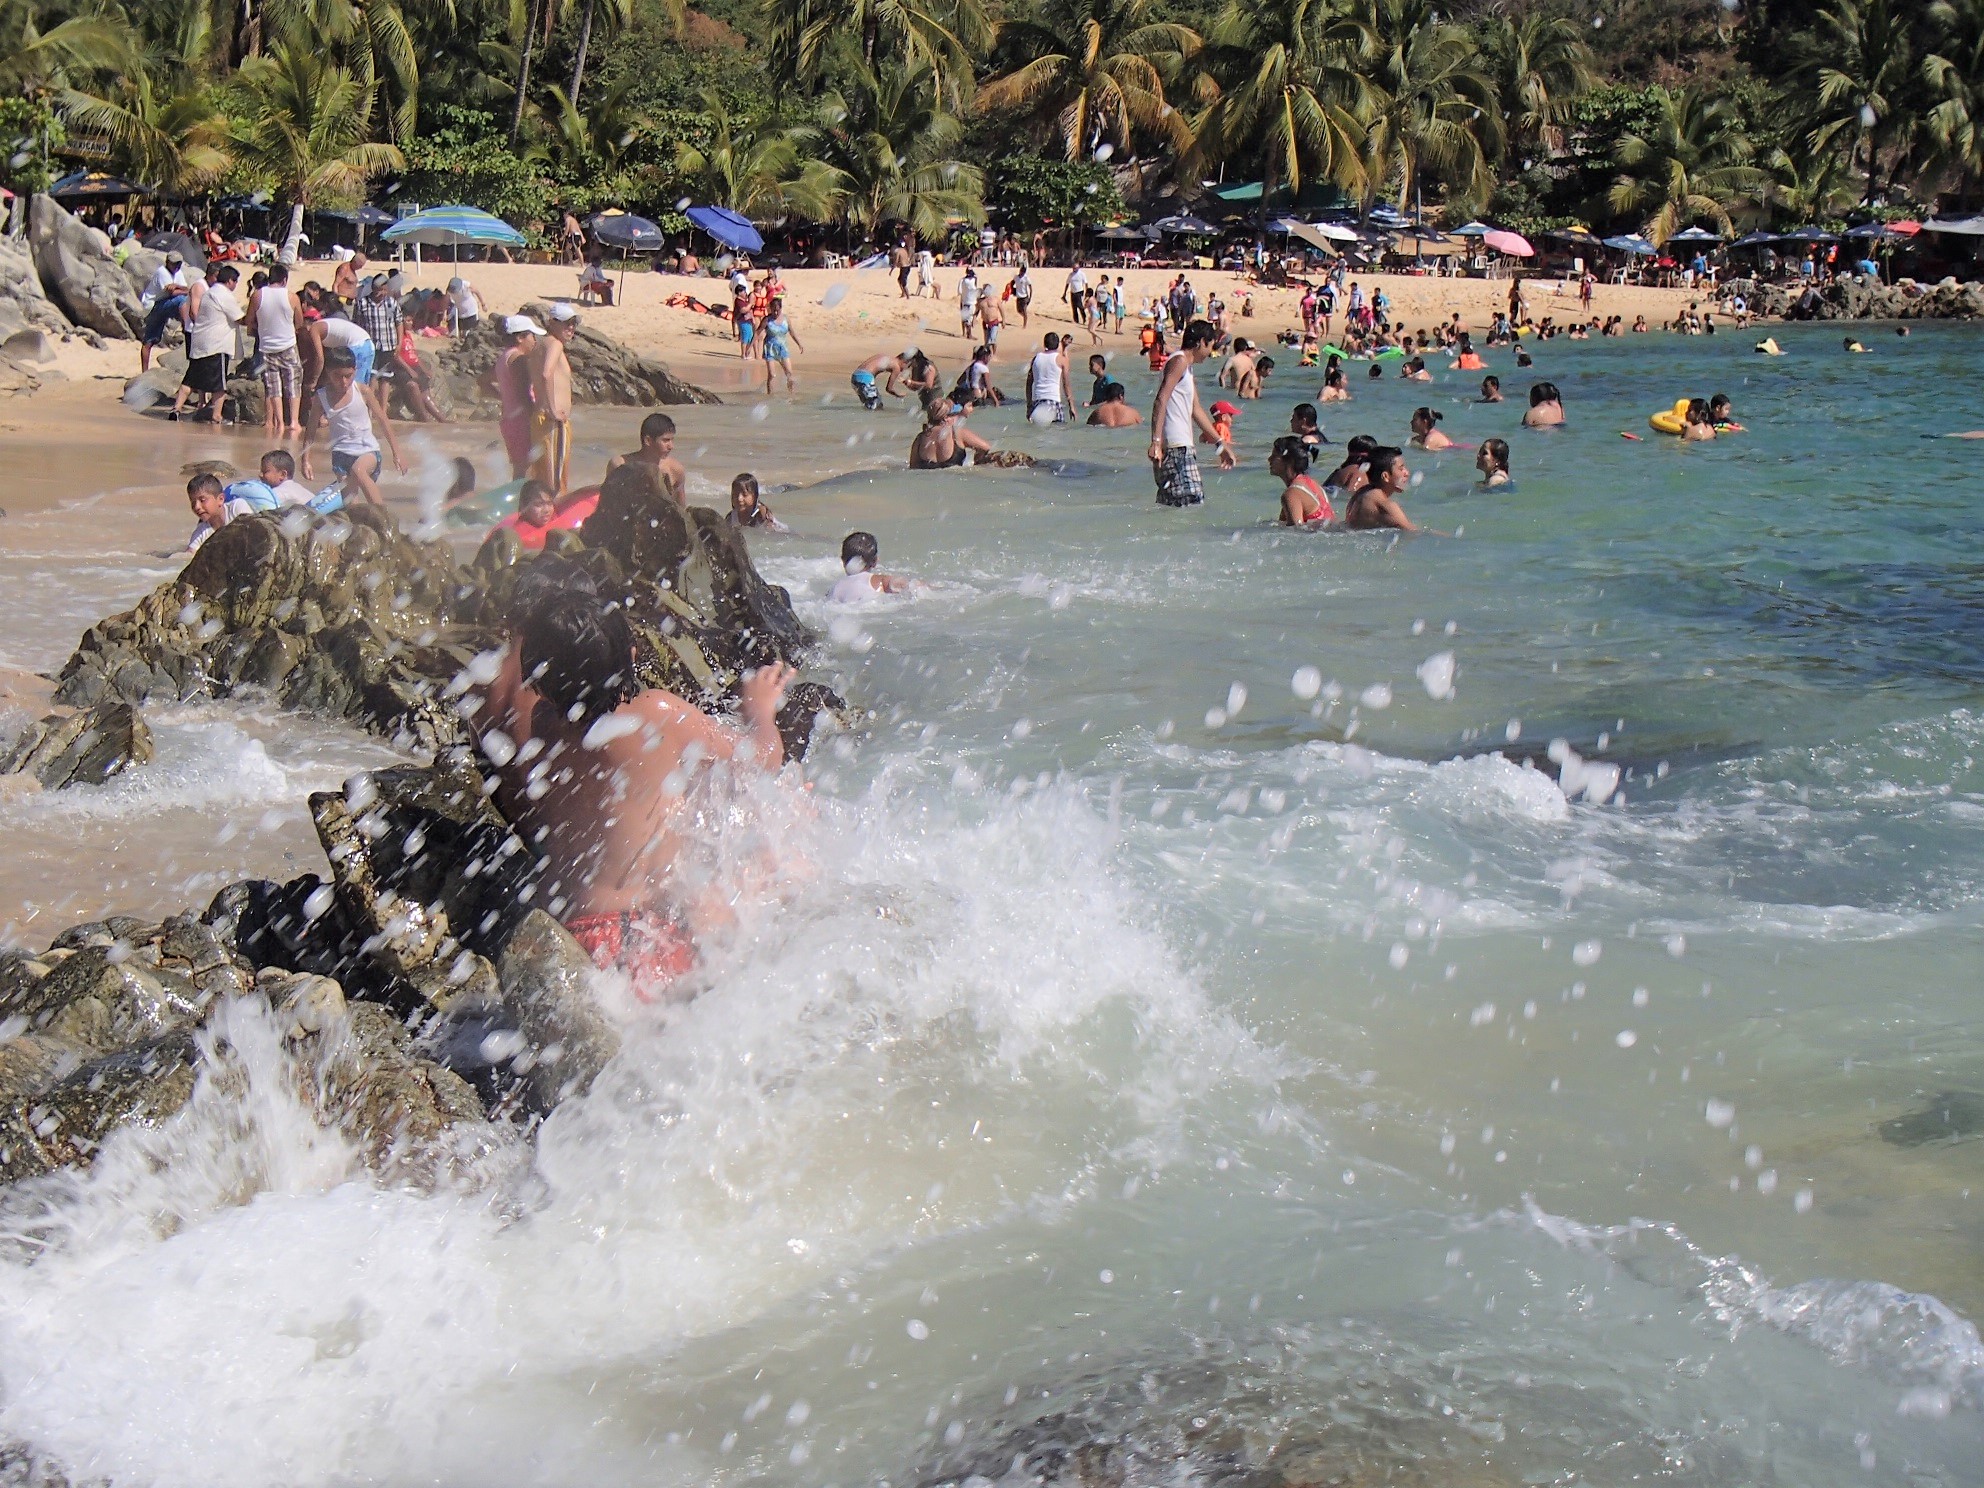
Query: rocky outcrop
x,y
603,371
84,748
1858,299
342,615
24,305
81,279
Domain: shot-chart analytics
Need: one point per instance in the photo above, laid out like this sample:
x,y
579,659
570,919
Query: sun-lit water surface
x,y
1505,1086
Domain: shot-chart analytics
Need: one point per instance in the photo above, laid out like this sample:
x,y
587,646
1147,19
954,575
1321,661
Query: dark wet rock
x,y
603,371
79,277
429,873
370,1083
1950,1116
63,1124
83,748
1855,299
546,979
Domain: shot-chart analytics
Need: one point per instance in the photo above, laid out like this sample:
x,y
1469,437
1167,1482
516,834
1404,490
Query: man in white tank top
x,y
1177,419
1047,382
275,312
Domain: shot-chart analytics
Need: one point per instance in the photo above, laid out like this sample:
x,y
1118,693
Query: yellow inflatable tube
x,y
1674,420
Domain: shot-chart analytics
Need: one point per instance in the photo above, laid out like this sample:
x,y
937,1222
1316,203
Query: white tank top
x,y
341,332
1046,384
275,326
351,425
1178,410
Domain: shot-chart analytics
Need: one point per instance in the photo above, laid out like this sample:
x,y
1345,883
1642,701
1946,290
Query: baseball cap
x,y
1226,408
562,311
514,325
175,256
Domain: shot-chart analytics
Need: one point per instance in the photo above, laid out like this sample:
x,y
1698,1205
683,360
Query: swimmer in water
x,y
1375,504
1336,387
1303,503
747,508
859,553
1491,389
1349,478
1493,463
1114,411
1695,425
597,773
1523,358
1426,430
944,441
1304,424
1466,358
1546,407
1722,413
1853,345
657,452
1414,370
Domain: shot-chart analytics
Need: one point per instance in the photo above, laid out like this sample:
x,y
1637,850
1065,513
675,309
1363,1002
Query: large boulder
x,y
603,371
82,280
24,305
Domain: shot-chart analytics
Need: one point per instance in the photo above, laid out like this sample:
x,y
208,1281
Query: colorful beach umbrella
x,y
452,226
728,228
1513,244
1473,230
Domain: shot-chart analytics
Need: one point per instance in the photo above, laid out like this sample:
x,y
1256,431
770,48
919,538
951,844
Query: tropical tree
x,y
303,126
1288,90
1541,67
595,143
755,169
39,54
1431,103
1806,186
368,39
1693,162
167,132
1093,73
1859,62
894,151
1954,74
942,36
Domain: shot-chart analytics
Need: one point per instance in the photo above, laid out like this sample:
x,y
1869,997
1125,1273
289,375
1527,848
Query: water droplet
x,y
1625,1038
1376,697
1719,1114
1236,698
1306,683
1104,150
834,295
1436,675
918,1329
1587,952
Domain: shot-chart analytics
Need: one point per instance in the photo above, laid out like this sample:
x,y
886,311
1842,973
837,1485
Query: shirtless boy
x,y
657,452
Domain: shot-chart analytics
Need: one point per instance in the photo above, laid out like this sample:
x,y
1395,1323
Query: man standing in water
x,y
1047,382
1177,419
1376,503
510,377
551,388
596,774
657,452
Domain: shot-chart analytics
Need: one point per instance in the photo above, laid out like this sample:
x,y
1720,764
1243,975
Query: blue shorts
x,y
164,310
342,461
363,354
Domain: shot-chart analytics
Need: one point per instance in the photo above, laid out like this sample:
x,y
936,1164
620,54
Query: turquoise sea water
x,y
1543,1050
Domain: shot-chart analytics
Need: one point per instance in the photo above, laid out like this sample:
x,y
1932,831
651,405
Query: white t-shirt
x,y
341,332
213,326
461,294
293,492
968,292
235,508
854,588
163,282
1178,410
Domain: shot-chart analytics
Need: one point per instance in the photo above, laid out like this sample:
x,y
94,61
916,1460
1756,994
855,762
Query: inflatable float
x,y
1671,420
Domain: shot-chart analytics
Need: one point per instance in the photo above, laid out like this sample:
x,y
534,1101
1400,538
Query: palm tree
x,y
1804,186
620,13
1692,163
1094,71
597,140
893,151
303,125
369,39
1859,62
944,36
37,58
1288,84
1541,67
1954,74
1432,102
753,169
167,133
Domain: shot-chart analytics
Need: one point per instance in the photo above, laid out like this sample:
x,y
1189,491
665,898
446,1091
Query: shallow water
x,y
1540,1083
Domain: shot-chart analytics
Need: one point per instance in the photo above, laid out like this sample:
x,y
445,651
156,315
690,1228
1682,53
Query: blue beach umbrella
x,y
1754,240
1695,235
1807,235
728,228
1633,244
453,226
1472,230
